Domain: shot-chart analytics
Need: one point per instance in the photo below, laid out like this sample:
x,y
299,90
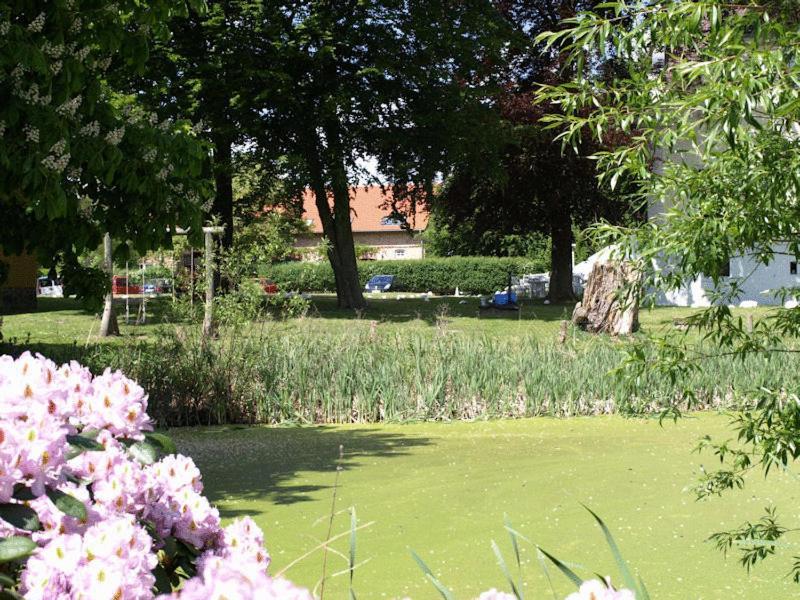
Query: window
x,y
391,221
400,252
793,267
725,269
309,222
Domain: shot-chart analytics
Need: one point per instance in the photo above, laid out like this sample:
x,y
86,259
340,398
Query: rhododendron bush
x,y
95,505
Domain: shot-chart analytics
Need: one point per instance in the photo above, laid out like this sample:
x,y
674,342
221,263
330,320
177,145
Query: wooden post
x,y
209,324
562,333
750,323
109,325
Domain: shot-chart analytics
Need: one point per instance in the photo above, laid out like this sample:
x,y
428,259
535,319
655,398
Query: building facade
x,y
378,234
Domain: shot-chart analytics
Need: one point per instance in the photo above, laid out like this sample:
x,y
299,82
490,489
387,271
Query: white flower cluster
x,y
80,55
90,129
31,95
55,67
150,155
70,4
176,188
76,25
31,133
37,24
5,27
70,107
198,127
152,119
58,159
114,137
2,127
165,125
53,50
165,172
103,65
18,72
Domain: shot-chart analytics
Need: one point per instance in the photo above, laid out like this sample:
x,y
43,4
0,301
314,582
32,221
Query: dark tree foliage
x,y
523,180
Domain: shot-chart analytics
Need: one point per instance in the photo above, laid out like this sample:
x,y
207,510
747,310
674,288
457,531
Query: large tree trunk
x,y
561,255
336,223
109,325
609,301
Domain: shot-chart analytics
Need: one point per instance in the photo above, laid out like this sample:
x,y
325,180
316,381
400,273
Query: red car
x,y
269,287
120,285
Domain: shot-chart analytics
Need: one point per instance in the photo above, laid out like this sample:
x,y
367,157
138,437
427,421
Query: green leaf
x,y
627,576
145,452
569,573
20,516
504,568
80,444
15,548
67,504
163,442
445,593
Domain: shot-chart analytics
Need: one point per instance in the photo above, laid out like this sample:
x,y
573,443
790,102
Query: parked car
x,y
269,287
380,283
120,285
150,288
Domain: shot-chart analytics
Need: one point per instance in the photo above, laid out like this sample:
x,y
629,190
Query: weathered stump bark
x,y
609,305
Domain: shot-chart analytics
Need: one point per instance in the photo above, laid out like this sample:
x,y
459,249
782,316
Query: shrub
x,y
87,509
470,274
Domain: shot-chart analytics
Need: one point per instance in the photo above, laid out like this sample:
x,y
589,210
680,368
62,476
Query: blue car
x,y
380,283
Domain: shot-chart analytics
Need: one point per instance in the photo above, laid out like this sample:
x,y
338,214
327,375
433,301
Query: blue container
x,y
501,298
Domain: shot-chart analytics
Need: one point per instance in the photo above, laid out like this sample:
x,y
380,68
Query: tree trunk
x,y
336,223
109,325
209,324
561,255
610,304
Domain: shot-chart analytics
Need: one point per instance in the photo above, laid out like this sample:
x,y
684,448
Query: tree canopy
x,y
78,158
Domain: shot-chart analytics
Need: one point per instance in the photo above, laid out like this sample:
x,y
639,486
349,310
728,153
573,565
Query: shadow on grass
x,y
266,464
414,308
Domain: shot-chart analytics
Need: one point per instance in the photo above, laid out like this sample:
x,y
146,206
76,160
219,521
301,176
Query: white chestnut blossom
x,y
150,155
114,137
2,127
5,27
55,67
37,24
31,133
76,25
70,107
90,129
53,50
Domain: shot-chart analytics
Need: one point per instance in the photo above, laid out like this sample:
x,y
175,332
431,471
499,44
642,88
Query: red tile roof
x,y
366,207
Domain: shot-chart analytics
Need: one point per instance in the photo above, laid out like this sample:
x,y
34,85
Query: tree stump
x,y
605,308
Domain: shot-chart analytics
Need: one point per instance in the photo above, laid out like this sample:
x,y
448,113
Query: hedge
x,y
471,274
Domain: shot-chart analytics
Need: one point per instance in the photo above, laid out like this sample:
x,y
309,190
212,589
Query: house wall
x,y
391,245
19,290
758,282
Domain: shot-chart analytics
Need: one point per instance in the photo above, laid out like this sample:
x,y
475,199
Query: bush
x,y
470,274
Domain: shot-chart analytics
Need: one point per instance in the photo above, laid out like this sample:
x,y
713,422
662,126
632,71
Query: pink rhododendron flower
x,y
102,550
494,594
595,589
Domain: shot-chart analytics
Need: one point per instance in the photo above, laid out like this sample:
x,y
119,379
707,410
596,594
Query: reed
x,y
308,376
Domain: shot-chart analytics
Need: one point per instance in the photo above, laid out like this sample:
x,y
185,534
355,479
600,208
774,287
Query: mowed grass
x,y
443,490
60,321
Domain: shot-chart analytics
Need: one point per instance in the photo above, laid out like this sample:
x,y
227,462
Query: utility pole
x,y
209,323
109,325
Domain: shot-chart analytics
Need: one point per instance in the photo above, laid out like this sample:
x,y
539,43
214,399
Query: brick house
x,y
18,291
373,226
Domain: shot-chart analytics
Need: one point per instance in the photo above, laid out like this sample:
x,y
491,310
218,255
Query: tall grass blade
x,y
503,567
624,570
445,593
569,573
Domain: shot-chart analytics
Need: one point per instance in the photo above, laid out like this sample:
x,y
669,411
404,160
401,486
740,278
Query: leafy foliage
x,y
78,158
711,105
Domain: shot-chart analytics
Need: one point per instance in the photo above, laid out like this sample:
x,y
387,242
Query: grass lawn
x,y
62,321
443,490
